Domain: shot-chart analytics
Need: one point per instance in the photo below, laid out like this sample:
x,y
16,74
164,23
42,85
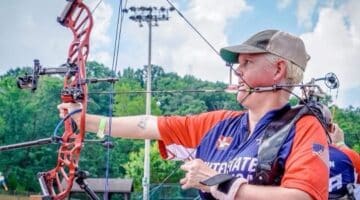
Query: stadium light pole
x,y
151,16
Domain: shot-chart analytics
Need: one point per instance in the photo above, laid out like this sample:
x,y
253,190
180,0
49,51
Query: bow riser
x,y
58,181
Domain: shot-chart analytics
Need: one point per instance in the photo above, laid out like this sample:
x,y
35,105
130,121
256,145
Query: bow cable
x,y
120,19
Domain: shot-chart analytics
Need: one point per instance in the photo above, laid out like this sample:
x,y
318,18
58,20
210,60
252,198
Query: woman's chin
x,y
242,97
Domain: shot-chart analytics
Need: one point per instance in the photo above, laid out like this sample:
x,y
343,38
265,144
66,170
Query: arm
x,y
254,192
337,137
355,159
135,127
197,170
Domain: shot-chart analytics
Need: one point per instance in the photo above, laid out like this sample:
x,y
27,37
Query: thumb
x,y
66,108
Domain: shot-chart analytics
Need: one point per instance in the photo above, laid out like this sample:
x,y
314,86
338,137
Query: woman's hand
x,y
337,136
66,108
196,171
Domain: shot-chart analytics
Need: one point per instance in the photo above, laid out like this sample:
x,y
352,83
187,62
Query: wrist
x,y
228,189
340,144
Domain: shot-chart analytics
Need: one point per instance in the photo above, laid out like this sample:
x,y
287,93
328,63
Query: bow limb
x,y
57,183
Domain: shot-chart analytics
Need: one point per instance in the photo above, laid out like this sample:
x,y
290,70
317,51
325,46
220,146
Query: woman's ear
x,y
280,71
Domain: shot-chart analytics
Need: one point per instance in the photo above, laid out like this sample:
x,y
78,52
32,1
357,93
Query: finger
x,y
185,186
69,105
61,114
64,106
185,166
197,162
183,181
60,106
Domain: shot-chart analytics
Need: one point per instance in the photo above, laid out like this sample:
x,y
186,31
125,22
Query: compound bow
x,y
57,182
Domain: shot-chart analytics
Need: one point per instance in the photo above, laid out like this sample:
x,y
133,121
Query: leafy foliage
x,y
349,120
160,169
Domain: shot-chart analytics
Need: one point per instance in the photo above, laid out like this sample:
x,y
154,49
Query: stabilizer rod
x,y
29,144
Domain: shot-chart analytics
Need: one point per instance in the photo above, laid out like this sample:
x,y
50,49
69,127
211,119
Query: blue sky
x,y
329,28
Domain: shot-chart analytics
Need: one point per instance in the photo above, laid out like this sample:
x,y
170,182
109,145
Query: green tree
x,y
28,116
161,170
349,120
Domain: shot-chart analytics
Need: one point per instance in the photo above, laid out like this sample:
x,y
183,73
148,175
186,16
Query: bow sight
x,y
30,81
67,69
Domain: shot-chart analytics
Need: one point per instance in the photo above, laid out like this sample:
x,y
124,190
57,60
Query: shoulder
x,y
310,133
309,155
309,123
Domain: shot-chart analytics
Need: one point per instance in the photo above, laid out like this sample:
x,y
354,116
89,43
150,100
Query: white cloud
x,y
32,33
351,11
305,11
103,57
102,19
100,41
29,31
281,4
334,45
178,48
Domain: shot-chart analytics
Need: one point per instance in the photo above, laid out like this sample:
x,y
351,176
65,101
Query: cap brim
x,y
230,54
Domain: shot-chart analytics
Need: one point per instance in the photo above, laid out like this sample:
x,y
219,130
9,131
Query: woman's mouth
x,y
232,89
235,88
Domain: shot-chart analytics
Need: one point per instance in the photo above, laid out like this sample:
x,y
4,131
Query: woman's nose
x,y
238,72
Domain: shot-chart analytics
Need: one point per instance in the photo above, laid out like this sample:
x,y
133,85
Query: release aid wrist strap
x,y
224,186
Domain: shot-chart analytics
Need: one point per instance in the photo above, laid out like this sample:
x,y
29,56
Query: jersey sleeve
x,y
355,159
307,168
180,135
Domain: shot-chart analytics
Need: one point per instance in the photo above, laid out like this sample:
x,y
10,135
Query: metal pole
x,y
146,178
150,15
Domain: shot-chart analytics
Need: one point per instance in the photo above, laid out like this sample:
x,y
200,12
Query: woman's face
x,y
254,70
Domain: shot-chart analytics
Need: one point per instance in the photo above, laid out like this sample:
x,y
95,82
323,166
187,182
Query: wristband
x,y
340,144
102,124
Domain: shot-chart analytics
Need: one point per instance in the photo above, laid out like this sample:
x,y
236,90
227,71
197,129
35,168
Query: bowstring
x,y
120,19
111,95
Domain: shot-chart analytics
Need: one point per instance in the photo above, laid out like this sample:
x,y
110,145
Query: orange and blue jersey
x,y
221,139
344,170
